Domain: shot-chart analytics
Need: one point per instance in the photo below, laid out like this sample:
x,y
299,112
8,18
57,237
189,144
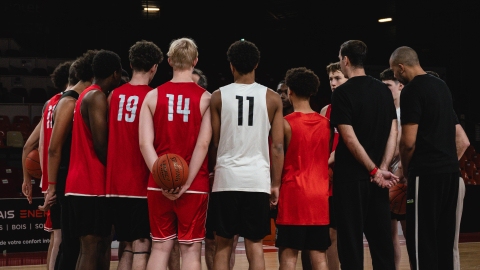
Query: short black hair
x,y
83,65
356,51
203,79
143,55
60,74
244,56
105,63
302,81
387,74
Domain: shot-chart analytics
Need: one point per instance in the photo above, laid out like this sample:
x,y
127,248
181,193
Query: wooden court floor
x,y
469,258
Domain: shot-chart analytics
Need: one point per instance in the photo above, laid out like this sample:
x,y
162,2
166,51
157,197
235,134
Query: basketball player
x,y
127,185
86,173
364,114
175,118
305,176
246,184
429,152
282,91
395,87
40,138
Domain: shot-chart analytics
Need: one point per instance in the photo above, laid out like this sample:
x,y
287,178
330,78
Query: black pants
x,y
431,220
361,207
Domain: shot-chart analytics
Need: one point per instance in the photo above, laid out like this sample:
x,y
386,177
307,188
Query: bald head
x,y
404,55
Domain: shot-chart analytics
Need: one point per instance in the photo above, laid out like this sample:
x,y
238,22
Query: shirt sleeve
x,y
341,109
455,118
410,106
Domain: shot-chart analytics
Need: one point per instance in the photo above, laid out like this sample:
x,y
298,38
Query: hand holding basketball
x,y
170,171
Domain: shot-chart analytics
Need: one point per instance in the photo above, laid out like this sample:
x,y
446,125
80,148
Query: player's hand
x,y
172,193
274,193
384,178
50,199
27,189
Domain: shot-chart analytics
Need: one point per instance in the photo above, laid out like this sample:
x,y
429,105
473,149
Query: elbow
x,y
277,149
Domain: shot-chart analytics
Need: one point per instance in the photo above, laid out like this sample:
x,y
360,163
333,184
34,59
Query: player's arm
x,y
215,113
287,134
461,140
274,104
146,131
407,145
203,141
95,103
31,143
391,146
63,119
323,111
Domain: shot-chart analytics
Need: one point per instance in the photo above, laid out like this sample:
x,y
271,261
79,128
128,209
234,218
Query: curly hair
x,y
143,55
244,56
105,63
302,81
83,65
60,74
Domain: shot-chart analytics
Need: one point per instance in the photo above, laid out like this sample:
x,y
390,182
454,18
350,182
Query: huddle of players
x,y
105,138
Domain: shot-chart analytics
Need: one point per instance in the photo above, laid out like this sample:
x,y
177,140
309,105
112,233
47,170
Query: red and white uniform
x,y
47,134
129,177
177,121
304,190
86,174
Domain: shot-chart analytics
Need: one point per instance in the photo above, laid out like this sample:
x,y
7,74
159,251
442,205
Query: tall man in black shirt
x,y
431,143
364,114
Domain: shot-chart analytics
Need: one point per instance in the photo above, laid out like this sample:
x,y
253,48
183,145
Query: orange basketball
x,y
170,171
398,199
32,164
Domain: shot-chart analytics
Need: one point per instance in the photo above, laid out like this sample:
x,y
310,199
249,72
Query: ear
x,y
402,68
232,68
255,66
195,62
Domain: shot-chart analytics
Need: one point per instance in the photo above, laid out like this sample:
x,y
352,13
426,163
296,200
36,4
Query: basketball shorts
x,y
244,213
47,226
53,221
331,207
130,218
90,216
183,218
303,237
210,223
397,216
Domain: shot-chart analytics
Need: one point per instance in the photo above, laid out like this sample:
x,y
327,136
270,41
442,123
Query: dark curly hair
x,y
244,56
72,74
105,63
143,55
356,51
60,74
302,81
83,65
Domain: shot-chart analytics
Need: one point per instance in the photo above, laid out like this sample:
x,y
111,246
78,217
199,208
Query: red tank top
x,y
305,186
127,173
47,134
86,174
177,121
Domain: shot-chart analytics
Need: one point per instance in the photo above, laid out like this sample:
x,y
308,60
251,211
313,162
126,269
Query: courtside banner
x,y
21,226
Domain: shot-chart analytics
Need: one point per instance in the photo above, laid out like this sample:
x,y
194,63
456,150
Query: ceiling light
x,y
151,9
384,20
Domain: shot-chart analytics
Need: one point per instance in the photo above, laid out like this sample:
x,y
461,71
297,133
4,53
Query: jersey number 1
x,y
186,107
130,107
240,110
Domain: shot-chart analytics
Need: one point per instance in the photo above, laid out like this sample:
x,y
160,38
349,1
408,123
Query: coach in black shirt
x,y
429,151
364,114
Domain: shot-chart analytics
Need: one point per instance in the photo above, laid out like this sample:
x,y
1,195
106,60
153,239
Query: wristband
x,y
374,171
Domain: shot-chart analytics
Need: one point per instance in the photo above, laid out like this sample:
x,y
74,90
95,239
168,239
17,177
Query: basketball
x,y
32,164
398,199
170,171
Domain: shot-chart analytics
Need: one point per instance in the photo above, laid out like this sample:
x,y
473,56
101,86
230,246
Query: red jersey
x,y
335,134
47,134
177,122
86,174
127,172
304,190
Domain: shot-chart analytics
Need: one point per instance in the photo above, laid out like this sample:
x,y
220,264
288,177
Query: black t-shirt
x,y
366,104
427,101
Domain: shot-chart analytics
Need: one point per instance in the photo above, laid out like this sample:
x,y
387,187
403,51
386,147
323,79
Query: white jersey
x,y
243,161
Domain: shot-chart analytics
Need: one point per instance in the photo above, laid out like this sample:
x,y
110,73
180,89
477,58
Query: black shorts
x,y
303,237
210,223
130,218
90,216
244,213
397,216
331,207
56,216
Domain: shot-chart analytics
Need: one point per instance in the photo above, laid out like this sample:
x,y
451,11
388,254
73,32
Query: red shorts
x,y
48,223
183,218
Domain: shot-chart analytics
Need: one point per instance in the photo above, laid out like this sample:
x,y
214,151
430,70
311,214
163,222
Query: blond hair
x,y
182,53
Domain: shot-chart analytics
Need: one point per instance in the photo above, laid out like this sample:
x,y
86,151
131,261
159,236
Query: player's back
x,y
243,162
177,120
129,177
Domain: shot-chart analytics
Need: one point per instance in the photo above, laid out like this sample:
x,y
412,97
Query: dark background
x,y
288,33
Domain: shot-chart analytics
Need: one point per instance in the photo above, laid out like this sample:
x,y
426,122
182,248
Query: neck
x,y
140,78
182,75
396,101
81,85
248,78
355,72
302,105
413,72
